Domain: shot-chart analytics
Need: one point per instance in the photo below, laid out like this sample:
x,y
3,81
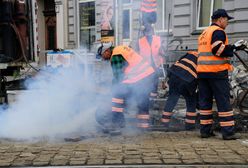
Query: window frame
x,y
198,14
164,28
130,24
125,4
80,28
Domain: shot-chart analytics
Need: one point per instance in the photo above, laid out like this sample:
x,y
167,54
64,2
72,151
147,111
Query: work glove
x,y
240,45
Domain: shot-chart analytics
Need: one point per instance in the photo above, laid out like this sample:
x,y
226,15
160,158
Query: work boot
x,y
111,128
231,137
115,129
207,135
189,127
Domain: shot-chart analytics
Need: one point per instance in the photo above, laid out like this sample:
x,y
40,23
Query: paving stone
x,y
34,150
115,151
61,157
245,156
242,151
206,152
175,156
42,159
150,157
192,161
65,153
114,157
235,161
79,154
40,163
132,161
26,154
4,147
150,154
45,152
4,163
11,154
172,161
59,162
132,156
107,161
152,161
134,152
21,162
77,162
16,149
95,161
213,161
77,159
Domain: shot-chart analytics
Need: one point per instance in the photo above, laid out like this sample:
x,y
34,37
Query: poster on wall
x,y
107,21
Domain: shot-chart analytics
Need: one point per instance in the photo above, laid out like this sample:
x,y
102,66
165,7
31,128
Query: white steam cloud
x,y
56,103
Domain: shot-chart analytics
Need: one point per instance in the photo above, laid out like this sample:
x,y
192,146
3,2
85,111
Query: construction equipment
x,y
15,42
239,84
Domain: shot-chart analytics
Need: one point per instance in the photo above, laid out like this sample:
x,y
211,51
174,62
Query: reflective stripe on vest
x,y
207,62
148,6
150,52
183,63
137,68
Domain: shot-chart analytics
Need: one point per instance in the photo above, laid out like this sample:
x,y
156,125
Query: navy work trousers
x,y
219,89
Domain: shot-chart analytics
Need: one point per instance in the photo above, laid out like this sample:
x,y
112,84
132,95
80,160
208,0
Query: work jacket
x,y
151,52
207,62
148,6
137,69
185,67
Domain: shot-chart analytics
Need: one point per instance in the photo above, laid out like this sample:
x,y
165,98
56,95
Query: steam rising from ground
x,y
57,103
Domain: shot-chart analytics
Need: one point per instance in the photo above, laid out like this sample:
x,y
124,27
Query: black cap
x,y
221,13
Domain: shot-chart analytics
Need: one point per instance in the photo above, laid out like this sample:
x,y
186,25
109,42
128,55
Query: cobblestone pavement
x,y
152,148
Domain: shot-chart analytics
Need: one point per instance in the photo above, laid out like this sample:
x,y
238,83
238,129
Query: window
x,y
205,10
87,24
126,1
126,31
164,11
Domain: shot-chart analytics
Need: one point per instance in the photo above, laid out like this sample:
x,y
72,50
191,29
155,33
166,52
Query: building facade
x,y
179,22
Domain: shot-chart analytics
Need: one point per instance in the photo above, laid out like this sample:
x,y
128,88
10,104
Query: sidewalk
x,y
152,148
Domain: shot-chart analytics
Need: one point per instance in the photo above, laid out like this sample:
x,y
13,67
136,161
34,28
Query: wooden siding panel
x,y
181,2
182,10
240,15
241,27
228,5
239,4
184,20
181,31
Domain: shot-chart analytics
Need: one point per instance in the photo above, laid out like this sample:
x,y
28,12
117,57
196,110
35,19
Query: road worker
x,y
213,66
149,47
132,76
182,81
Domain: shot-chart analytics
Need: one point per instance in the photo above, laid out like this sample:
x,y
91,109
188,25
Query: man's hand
x,y
240,45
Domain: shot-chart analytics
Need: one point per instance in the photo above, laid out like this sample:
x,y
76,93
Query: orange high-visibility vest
x,y
207,62
137,69
150,52
148,6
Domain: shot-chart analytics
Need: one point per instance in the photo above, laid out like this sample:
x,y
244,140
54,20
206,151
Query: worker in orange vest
x,y
213,66
149,47
182,81
132,77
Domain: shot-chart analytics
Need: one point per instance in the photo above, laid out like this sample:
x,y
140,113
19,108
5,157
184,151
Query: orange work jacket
x,y
137,68
207,62
151,52
148,6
